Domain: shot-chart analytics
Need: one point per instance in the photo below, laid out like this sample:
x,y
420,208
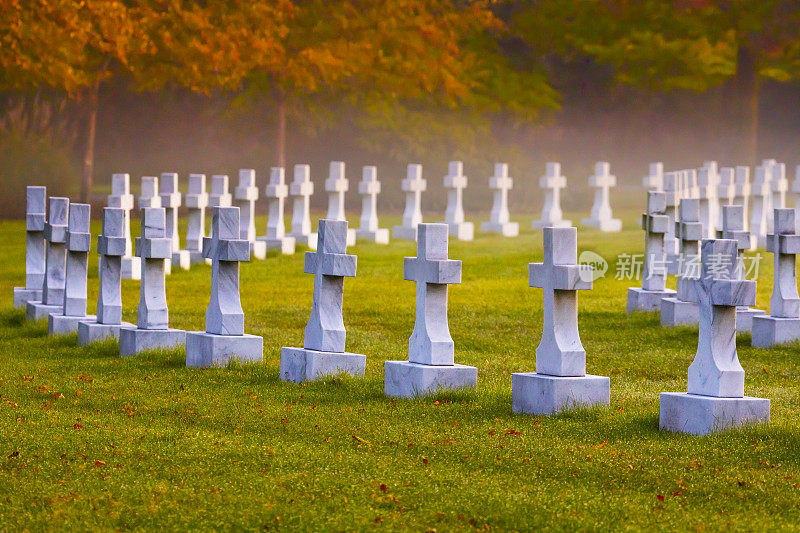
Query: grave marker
x,y
369,187
35,247
500,219
601,217
413,186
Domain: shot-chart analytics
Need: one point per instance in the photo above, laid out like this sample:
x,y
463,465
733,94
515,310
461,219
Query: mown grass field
x,y
89,440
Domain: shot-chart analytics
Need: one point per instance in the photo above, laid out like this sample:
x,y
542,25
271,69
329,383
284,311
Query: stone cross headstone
x,y
35,247
456,182
552,182
224,338
707,183
782,325
413,186
602,217
171,200
673,195
196,202
277,191
152,329
301,189
779,186
762,198
431,352
336,186
733,229
655,223
654,178
741,182
500,218
219,195
148,197
560,382
715,399
369,188
681,310
122,198
726,191
79,241
244,197
796,194
111,246
323,352
55,234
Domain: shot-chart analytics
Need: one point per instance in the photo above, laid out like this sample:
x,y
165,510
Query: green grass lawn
x,y
91,440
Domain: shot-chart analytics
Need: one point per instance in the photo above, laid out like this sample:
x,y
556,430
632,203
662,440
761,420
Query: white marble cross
x,y
413,186
55,232
456,182
655,224
122,198
689,231
196,201
430,342
500,218
336,186
330,264
245,196
111,247
277,191
707,183
154,248
301,189
78,244
225,248
654,178
149,193
35,218
762,199
552,182
560,352
602,218
715,370
171,200
219,195
779,185
672,198
785,245
369,188
726,191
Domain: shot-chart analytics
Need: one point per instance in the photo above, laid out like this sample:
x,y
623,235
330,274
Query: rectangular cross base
x,y
22,296
207,349
769,330
539,224
700,415
404,233
131,268
379,236
181,259
258,249
404,379
540,394
309,240
509,229
606,225
676,312
284,245
134,340
463,231
643,300
744,318
40,311
59,324
91,331
301,364
196,257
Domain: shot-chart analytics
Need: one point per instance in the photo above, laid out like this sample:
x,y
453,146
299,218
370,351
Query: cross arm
x,y
330,264
787,244
565,277
442,271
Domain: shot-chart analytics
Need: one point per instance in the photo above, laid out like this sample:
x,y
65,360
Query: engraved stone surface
x,y
245,196
500,218
413,186
277,191
552,183
35,247
55,234
455,182
369,188
602,217
301,189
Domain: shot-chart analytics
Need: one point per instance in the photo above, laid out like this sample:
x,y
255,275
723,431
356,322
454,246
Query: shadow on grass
x,y
13,318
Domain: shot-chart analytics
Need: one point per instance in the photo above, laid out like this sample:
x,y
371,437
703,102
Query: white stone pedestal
x,y
770,330
40,311
89,332
59,324
22,296
207,349
404,379
643,300
134,340
540,394
675,312
302,364
700,415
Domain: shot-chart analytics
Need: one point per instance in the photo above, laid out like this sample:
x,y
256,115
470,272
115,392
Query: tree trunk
x,y
88,151
280,141
748,84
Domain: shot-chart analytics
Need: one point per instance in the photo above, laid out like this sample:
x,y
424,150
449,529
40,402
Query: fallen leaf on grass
x,y
512,432
660,497
362,441
383,487
99,464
